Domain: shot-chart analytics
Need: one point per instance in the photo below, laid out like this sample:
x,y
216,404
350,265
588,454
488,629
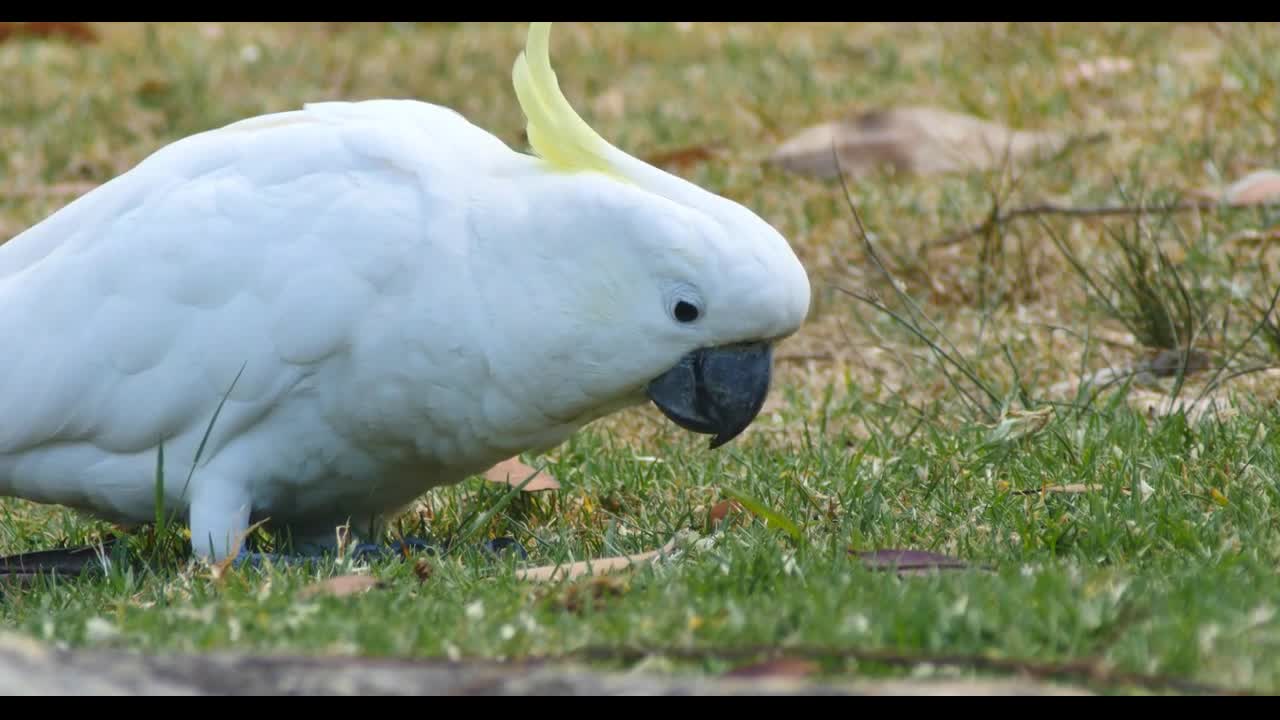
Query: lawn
x,y
1077,407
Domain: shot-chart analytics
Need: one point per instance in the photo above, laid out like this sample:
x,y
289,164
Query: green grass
x,y
1149,573
1165,566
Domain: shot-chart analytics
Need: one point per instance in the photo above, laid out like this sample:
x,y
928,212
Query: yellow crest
x,y
556,132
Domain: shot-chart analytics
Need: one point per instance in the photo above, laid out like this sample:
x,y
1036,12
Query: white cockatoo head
x,y
643,284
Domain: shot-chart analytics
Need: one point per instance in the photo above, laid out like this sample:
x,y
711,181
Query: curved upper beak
x,y
716,391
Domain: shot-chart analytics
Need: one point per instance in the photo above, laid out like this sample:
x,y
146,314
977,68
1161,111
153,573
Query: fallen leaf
x,y
1253,237
909,561
778,667
77,32
423,569
1256,188
682,157
722,509
611,103
513,472
590,594
1068,489
553,573
1019,424
341,586
918,140
153,87
1091,70
1169,363
1160,404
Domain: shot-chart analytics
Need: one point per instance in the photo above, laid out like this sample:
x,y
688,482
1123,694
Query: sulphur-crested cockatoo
x,y
341,307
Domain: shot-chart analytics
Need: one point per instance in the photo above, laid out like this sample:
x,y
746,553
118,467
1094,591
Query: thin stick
x,y
1093,670
1091,211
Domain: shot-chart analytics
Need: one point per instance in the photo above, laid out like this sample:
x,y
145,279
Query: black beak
x,y
716,391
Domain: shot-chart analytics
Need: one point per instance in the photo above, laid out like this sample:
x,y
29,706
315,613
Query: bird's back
x,y
230,265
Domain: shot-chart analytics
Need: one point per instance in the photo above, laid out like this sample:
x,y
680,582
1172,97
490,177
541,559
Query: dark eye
x,y
686,312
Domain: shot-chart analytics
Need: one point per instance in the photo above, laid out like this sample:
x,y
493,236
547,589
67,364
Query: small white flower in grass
x,y
857,623
452,651
1145,489
1091,615
47,628
789,564
506,632
98,629
475,610
298,615
250,54
1261,615
526,620
1207,635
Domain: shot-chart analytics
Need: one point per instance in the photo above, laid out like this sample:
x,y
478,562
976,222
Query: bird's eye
x,y
686,312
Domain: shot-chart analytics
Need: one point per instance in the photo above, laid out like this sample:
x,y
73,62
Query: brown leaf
x,y
1256,188
1091,70
553,573
341,586
1168,363
910,561
591,593
1068,489
76,32
682,157
778,667
423,569
513,472
611,103
721,509
154,87
919,140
